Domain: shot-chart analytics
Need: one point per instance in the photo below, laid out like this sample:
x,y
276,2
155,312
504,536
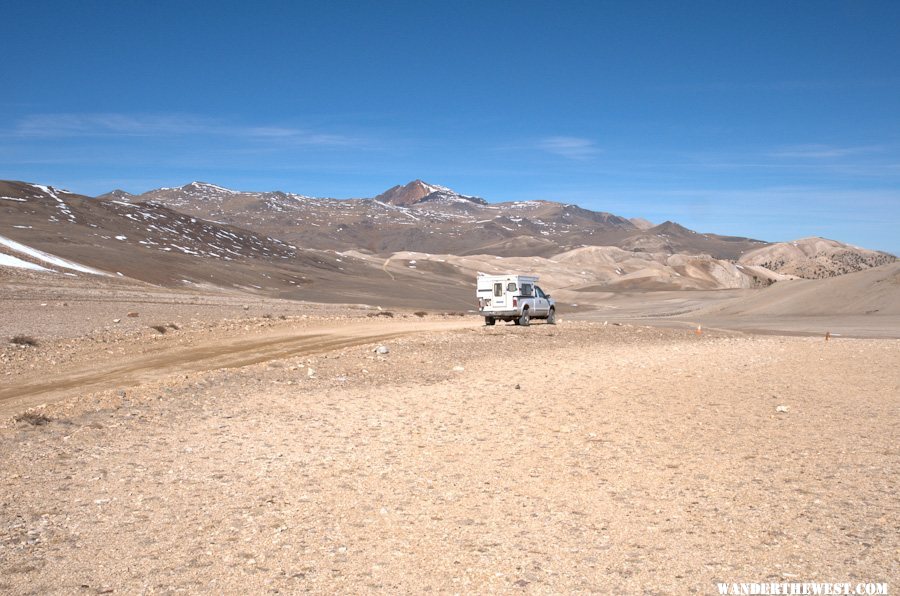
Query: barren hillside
x,y
870,292
815,258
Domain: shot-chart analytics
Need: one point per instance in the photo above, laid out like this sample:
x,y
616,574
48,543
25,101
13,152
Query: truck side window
x,y
539,292
511,286
498,289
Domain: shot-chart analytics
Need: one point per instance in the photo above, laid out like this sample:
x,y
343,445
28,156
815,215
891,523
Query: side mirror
x,y
546,295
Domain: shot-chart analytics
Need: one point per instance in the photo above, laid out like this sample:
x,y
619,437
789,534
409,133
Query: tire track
x,y
203,357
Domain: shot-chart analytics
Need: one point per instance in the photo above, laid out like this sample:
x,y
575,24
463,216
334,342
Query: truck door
x,y
499,297
541,304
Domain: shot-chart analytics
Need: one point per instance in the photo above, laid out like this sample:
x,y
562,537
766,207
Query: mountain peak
x,y
117,195
207,187
670,227
419,191
409,194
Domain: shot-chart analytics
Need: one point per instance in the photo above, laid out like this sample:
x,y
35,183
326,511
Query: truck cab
x,y
513,297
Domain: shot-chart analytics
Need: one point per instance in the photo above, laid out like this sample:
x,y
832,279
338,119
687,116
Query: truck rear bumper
x,y
499,314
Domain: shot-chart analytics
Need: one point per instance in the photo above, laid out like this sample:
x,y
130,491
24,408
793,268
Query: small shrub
x,y
420,313
173,326
24,340
282,317
454,314
159,328
33,418
382,313
267,316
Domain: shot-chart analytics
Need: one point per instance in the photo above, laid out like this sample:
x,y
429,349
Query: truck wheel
x,y
551,318
525,318
489,320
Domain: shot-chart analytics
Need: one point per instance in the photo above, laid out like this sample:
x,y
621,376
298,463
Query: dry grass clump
x,y
159,328
33,418
23,340
381,313
173,326
420,313
454,314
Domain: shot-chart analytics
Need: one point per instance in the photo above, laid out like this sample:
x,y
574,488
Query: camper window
x,y
498,289
526,289
511,286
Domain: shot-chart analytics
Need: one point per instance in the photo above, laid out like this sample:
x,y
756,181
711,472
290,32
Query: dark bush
x,y
33,418
23,340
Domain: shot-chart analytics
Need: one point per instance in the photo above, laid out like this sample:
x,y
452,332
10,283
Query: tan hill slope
x,y
589,274
874,291
815,258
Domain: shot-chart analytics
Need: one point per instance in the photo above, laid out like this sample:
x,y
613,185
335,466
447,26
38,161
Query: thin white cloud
x,y
569,147
823,151
165,125
108,124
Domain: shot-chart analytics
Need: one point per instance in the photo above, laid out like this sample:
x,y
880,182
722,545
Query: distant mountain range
x,y
415,244
424,217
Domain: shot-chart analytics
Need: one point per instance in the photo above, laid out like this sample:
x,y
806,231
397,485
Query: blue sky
x,y
774,120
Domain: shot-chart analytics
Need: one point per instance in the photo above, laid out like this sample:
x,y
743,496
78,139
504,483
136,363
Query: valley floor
x,y
547,459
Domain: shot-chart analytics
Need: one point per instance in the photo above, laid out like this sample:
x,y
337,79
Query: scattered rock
x,y
310,372
117,320
782,409
382,350
517,386
458,368
120,393
133,315
246,307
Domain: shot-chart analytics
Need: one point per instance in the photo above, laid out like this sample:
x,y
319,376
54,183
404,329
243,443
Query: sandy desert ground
x,y
271,449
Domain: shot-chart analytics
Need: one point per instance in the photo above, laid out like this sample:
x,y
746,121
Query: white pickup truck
x,y
513,298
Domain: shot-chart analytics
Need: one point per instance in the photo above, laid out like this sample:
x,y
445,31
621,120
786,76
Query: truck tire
x,y
551,317
525,318
489,320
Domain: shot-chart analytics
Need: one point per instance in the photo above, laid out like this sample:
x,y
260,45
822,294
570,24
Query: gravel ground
x,y
574,458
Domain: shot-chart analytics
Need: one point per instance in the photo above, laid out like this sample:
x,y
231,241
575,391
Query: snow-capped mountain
x,y
426,217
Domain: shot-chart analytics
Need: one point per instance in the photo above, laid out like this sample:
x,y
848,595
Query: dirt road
x,y
98,371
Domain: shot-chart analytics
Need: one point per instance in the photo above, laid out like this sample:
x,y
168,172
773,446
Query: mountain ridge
x,y
427,217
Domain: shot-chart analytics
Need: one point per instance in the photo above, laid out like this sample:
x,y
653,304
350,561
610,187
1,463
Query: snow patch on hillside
x,y
48,258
